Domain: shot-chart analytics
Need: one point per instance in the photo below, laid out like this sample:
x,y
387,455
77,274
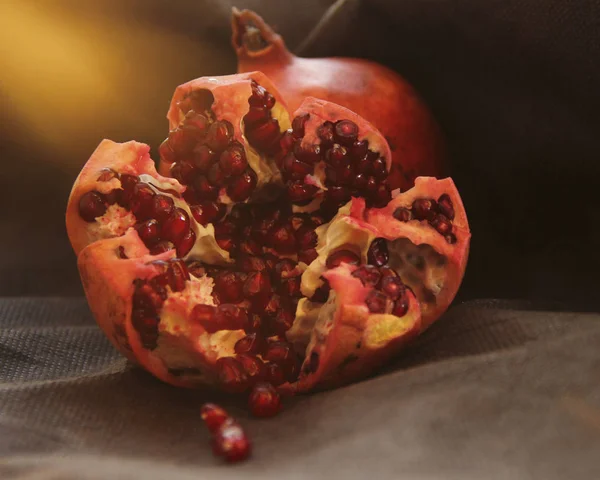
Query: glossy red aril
x,y
264,401
213,416
231,442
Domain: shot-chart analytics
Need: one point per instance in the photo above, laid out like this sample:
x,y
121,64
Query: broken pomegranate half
x,y
222,274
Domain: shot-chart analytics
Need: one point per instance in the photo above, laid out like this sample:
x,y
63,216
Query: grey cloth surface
x,y
494,390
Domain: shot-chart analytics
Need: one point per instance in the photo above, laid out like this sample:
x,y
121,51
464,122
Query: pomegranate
x,y
204,281
371,90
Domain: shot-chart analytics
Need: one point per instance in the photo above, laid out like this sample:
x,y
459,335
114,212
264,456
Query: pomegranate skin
x,y
373,91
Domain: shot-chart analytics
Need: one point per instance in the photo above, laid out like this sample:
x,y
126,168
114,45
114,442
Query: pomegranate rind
x,y
132,158
231,94
351,342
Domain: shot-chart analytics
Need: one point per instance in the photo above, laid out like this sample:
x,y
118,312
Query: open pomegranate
x,y
275,252
373,91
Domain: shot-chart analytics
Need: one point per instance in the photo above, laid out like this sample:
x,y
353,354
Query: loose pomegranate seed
x,y
400,307
368,274
377,302
264,401
301,193
161,247
231,317
233,160
282,239
273,305
241,187
91,206
291,287
250,246
298,125
308,154
441,224
230,286
213,416
256,284
186,243
402,214
346,132
308,256
393,287
231,443
176,226
275,375
203,158
342,256
227,243
424,208
208,212
231,374
254,367
445,206
219,135
378,253
252,343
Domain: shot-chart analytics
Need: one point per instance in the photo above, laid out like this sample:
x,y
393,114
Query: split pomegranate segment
x,y
236,273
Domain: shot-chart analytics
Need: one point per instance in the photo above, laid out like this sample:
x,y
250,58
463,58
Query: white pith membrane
x,y
188,352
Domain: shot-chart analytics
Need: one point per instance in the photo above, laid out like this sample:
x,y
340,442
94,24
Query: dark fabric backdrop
x,y
494,390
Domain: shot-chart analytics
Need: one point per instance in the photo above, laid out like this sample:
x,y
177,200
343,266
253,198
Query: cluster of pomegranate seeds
x,y
351,168
389,294
438,213
160,224
149,296
229,440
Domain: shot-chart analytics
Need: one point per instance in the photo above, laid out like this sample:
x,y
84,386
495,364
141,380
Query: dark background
x,y
514,85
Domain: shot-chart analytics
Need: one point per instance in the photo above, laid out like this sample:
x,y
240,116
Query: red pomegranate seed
x,y
283,321
148,231
233,160
325,133
337,195
253,366
307,256
295,169
308,154
257,284
387,271
197,123
162,206
381,197
441,224
359,149
231,443
371,186
275,375
91,206
256,115
128,183
183,172
360,181
186,243
241,187
445,206
393,287
298,124
301,193
204,315
345,132
378,253
208,212
363,166
198,100
161,247
424,208
286,142
231,374
251,263
141,203
377,302
379,169
400,307
213,416
226,242
250,246
342,256
146,324
345,175
252,343
282,239
232,317
202,158
177,274
306,237
182,140
278,352
219,135
216,176
230,286
264,401
402,214
368,274
176,226
291,287
338,156
262,136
